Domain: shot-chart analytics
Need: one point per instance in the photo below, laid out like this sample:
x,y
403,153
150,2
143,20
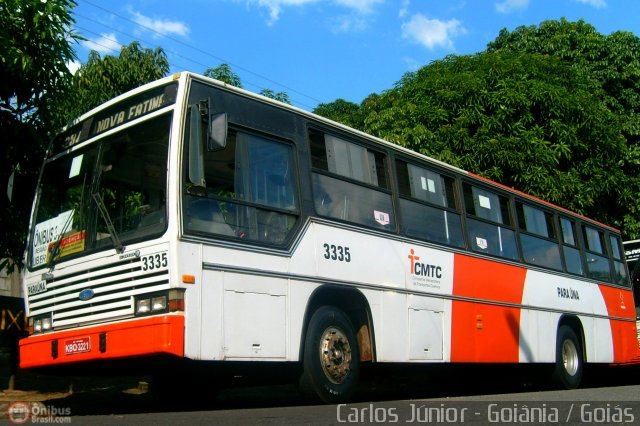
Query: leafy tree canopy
x,y
35,47
103,78
224,73
550,110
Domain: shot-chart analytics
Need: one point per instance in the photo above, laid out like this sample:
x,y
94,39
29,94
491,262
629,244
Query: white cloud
x,y
508,6
73,66
106,43
348,24
275,7
598,4
160,26
404,9
360,6
432,33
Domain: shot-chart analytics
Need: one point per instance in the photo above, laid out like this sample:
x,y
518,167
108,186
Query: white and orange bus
x,y
194,221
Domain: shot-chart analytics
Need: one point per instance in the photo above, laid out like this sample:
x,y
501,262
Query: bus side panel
x,y
620,304
545,292
625,343
537,334
486,332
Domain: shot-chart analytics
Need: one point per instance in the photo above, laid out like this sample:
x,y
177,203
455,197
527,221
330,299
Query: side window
x,y
619,269
489,223
570,249
597,263
350,182
538,237
250,191
428,205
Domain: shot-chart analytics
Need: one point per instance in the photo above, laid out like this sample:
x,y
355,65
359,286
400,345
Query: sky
x,y
318,51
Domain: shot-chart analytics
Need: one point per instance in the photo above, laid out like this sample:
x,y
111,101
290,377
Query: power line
x,y
197,49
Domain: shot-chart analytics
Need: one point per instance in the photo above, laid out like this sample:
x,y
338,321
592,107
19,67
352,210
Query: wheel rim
x,y
570,358
335,355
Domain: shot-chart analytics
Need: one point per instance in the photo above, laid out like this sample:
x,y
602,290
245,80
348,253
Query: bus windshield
x,y
108,194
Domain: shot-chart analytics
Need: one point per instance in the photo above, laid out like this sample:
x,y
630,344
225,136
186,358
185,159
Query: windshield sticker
x,y
70,244
76,165
381,217
48,232
485,202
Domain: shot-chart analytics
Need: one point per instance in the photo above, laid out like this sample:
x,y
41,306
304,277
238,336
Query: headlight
x,y
156,303
46,324
159,303
40,324
143,306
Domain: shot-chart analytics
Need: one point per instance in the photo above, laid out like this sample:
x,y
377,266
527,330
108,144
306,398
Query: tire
x,y
569,359
331,360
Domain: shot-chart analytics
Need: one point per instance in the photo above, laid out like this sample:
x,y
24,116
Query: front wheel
x,y
569,359
331,363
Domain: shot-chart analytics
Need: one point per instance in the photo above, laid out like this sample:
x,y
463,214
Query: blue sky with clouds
x,y
322,50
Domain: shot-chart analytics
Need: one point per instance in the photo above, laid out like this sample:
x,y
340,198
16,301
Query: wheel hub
x,y
570,357
335,355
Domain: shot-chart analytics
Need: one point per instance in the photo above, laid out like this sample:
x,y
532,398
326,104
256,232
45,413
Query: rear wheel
x,y
569,359
331,363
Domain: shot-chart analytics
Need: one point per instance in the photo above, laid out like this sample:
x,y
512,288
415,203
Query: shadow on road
x,y
389,382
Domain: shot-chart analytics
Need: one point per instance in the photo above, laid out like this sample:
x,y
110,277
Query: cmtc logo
x,y
423,269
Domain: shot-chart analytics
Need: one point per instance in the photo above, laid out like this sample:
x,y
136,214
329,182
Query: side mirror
x,y
217,129
196,158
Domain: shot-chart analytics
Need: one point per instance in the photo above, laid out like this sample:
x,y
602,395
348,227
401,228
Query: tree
x,y
613,64
278,96
224,73
526,120
35,47
342,111
103,78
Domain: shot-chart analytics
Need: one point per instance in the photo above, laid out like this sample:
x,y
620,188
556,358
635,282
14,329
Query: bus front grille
x,y
108,293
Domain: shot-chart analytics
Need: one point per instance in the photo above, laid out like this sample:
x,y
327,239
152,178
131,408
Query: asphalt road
x,y
475,395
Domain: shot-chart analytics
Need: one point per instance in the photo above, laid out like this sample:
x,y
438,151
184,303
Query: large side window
x,y
538,237
489,223
250,191
597,262
428,205
350,182
570,249
619,269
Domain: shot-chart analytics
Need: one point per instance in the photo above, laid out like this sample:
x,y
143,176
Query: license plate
x,y
77,346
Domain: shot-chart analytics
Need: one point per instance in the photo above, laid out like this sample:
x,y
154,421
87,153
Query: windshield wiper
x,y
107,220
55,251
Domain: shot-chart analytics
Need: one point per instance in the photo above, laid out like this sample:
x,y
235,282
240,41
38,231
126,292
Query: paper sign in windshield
x,y
70,244
47,232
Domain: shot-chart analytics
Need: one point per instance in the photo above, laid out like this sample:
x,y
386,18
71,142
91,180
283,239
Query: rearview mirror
x,y
217,129
196,158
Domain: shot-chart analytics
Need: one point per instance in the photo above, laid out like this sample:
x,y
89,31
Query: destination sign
x,y
121,113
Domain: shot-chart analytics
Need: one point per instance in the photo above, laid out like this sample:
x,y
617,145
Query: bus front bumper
x,y
132,338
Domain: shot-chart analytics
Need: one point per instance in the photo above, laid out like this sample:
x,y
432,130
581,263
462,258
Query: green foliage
x,y
342,111
612,64
279,96
35,46
529,121
224,73
103,78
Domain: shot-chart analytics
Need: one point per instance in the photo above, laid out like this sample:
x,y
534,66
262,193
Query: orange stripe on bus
x,y
620,304
482,332
138,337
